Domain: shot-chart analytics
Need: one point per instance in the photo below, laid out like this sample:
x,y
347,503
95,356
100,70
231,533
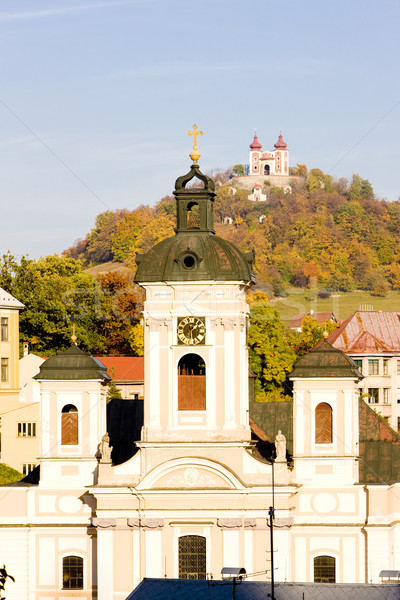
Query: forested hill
x,y
333,233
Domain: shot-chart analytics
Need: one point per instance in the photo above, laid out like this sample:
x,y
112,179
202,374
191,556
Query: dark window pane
x,y
72,573
324,569
192,557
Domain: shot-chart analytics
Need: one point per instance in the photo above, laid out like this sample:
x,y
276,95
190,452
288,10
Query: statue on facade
x,y
280,447
104,449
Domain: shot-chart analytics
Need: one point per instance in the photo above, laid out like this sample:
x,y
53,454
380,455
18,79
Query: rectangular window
x,y
358,362
373,366
27,429
398,367
27,468
385,366
373,395
4,329
386,395
4,369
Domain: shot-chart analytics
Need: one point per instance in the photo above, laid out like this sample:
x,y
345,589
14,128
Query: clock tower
x,y
195,326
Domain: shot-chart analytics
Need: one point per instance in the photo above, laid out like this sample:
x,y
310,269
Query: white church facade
x,y
264,162
195,495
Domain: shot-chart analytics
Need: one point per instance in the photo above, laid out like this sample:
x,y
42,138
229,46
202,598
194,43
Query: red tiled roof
x,y
368,332
124,368
322,317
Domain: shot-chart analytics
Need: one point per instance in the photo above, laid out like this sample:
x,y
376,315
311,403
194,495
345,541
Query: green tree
x,y
239,169
311,333
360,188
56,292
271,359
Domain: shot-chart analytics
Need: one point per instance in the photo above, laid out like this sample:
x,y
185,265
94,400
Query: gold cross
x,y
195,133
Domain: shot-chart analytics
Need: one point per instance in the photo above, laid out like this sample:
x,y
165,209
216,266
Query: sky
x,y
96,99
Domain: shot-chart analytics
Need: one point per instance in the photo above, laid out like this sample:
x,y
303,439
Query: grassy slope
x,y
342,305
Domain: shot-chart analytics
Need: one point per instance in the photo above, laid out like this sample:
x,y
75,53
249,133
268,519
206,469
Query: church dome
x,y
195,256
255,144
195,253
280,144
73,364
325,361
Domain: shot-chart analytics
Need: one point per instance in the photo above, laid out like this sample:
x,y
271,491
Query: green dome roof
x,y
195,256
73,364
325,361
195,253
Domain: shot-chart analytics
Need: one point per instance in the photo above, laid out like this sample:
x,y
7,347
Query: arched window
x,y
323,424
69,425
193,216
192,557
266,170
191,383
324,569
72,574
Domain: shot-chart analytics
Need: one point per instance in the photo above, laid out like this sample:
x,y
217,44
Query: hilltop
x,y
332,235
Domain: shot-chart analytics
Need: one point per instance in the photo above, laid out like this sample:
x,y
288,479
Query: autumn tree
x,y
119,322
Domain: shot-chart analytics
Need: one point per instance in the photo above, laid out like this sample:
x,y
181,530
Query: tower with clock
x,y
194,498
195,326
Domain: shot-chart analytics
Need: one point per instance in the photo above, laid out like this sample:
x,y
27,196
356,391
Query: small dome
x,y
325,361
195,256
280,144
255,145
72,364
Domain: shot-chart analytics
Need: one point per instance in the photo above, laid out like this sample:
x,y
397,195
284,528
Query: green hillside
x,y
325,235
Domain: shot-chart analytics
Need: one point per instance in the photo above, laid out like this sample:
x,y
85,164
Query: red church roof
x,y
123,369
280,144
255,145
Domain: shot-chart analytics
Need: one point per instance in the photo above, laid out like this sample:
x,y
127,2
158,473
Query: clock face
x,y
191,330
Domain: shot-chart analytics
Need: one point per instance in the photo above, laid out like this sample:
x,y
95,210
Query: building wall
x,y
9,350
20,434
382,372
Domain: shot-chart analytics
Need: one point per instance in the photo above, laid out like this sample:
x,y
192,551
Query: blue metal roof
x,y
197,589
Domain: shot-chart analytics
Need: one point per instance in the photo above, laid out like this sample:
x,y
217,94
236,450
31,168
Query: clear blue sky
x,y
97,96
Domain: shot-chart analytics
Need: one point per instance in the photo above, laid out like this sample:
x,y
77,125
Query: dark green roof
x,y
325,361
195,253
72,364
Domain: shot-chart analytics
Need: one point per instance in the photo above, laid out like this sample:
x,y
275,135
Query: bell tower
x,y
195,326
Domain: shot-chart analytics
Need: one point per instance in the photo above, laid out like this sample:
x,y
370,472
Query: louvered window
x,y
323,424
191,383
192,557
69,425
324,569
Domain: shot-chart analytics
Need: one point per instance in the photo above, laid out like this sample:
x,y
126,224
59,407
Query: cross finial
x,y
194,155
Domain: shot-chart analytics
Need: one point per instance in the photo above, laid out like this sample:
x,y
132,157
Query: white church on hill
x,y
193,496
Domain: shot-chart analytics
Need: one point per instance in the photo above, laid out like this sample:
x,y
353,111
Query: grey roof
x,y
72,364
8,301
197,589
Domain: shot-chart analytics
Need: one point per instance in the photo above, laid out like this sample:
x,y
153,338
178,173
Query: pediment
x,y
186,474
